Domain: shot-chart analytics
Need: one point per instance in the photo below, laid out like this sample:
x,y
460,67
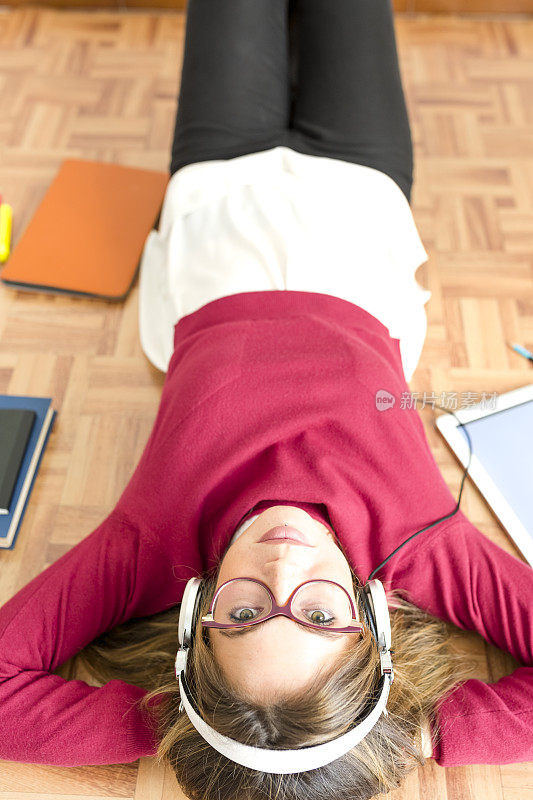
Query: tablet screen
x,y
503,443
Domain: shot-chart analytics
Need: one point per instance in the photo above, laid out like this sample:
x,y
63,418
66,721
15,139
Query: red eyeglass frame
x,y
284,610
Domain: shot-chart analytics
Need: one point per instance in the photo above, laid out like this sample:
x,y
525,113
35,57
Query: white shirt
x,y
243,526
279,219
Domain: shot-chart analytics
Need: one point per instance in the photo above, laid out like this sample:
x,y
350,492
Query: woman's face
x,y
279,656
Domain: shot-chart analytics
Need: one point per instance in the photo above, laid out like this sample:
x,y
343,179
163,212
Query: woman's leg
x,y
350,102
234,96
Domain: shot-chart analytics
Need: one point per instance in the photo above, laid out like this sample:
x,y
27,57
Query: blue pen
x,y
523,351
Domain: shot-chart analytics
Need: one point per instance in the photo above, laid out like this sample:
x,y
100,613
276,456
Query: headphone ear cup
x,y
190,606
198,601
368,611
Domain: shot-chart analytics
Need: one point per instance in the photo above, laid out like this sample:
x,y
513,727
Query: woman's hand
x,y
427,747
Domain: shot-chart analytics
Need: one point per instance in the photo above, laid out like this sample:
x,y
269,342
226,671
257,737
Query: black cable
x,y
456,509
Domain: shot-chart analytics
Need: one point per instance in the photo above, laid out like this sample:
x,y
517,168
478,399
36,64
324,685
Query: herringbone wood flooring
x,y
104,86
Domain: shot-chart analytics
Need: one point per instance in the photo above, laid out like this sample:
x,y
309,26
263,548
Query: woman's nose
x,y
284,575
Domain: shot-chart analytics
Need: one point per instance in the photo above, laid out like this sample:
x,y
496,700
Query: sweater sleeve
x,y
462,576
110,576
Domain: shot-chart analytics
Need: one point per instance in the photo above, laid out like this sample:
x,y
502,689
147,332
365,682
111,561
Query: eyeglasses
x,y
241,602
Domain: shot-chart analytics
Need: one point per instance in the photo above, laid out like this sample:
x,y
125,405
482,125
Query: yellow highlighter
x,y
6,217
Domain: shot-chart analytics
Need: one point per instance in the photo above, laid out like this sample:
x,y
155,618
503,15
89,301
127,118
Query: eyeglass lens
x,y
318,603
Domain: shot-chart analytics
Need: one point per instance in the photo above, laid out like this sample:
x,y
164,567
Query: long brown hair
x,y
427,667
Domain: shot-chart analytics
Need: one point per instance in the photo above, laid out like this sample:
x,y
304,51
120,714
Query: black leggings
x,y
319,76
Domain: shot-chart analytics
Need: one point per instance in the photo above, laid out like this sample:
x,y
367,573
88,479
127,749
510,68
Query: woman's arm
x,y
459,575
110,576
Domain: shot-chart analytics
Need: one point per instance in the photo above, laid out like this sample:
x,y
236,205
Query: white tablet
x,y
502,458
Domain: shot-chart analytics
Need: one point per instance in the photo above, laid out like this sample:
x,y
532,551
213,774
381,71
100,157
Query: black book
x,y
15,428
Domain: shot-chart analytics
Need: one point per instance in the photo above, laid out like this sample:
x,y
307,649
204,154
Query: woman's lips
x,y
284,533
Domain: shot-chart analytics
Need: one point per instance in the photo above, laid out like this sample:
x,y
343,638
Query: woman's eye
x,y
319,617
241,614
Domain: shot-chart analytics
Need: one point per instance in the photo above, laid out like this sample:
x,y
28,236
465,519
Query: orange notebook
x,y
88,234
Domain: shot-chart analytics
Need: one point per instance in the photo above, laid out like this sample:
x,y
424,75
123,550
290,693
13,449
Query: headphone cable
x,y
447,516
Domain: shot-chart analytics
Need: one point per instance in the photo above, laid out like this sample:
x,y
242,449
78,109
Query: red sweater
x,y
269,396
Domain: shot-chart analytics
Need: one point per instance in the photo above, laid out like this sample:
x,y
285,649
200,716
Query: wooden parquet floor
x,y
104,86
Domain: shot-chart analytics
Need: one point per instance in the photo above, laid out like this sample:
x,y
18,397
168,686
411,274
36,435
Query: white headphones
x,y
283,762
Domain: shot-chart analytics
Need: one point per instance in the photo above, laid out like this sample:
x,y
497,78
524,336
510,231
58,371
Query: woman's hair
x,y
426,667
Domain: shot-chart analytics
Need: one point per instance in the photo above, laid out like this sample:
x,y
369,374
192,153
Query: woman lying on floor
x,y
279,296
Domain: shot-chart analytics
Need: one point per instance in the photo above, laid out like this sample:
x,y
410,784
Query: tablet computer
x,y
502,458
